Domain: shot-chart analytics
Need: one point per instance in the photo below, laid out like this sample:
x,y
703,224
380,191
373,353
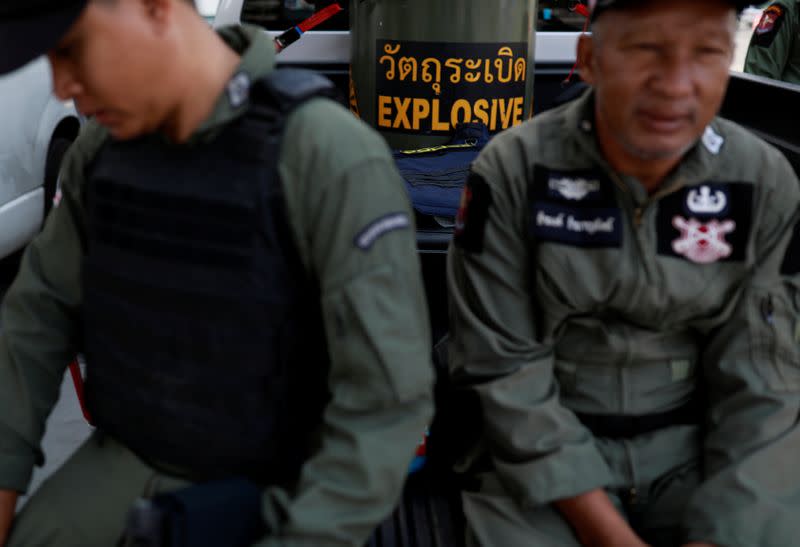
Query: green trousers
x,y
86,501
654,476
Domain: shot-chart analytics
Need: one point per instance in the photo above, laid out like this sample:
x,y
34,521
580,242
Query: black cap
x,y
603,5
29,28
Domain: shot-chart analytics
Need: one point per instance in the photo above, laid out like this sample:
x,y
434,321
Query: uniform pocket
x,y
379,339
775,351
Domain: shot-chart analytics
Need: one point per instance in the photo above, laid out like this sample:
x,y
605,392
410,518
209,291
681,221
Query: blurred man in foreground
x,y
235,256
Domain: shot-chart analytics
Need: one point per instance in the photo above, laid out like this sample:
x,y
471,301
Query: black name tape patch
x,y
769,25
576,208
706,223
473,214
379,227
791,262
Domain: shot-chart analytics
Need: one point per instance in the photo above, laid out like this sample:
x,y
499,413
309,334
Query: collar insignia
x,y
712,140
239,89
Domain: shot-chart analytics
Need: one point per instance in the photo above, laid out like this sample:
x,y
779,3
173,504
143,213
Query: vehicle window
x,y
284,14
559,15
553,15
207,8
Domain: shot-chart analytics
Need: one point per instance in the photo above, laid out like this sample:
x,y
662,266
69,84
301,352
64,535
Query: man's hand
x,y
596,521
8,502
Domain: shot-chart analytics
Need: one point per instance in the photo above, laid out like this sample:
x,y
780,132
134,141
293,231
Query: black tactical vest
x,y
203,330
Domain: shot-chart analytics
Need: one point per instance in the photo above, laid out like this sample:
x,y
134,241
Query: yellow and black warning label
x,y
430,87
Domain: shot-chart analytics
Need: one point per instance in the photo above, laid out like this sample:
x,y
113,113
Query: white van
x,y
36,131
331,44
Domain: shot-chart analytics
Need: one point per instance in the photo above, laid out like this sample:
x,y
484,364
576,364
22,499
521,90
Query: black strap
x,y
287,88
626,427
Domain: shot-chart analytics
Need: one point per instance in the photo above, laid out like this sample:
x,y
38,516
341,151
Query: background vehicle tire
x,y
55,155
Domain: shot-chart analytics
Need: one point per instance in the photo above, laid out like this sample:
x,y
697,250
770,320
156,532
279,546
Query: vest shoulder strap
x,y
285,89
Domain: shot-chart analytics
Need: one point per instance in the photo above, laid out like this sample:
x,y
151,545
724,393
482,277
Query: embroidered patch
x,y
706,223
578,227
473,214
769,25
239,89
576,208
791,262
378,228
703,243
712,140
701,201
574,189
569,186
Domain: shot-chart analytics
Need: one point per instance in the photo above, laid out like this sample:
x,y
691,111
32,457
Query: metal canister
x,y
419,67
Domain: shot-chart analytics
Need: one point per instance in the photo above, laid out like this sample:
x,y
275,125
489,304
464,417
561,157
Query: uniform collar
x,y
257,60
696,166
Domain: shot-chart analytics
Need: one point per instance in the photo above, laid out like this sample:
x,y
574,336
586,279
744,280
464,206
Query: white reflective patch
x,y
712,140
574,189
703,202
239,89
367,237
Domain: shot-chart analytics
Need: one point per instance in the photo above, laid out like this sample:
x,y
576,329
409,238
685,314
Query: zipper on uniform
x,y
638,213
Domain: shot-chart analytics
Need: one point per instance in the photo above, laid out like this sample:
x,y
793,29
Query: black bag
x,y
226,512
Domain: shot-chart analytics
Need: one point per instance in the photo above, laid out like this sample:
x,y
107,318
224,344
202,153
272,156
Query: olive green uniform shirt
x,y
774,50
576,292
338,178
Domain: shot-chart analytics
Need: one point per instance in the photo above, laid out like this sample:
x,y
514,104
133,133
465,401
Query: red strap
x,y
585,28
77,379
320,17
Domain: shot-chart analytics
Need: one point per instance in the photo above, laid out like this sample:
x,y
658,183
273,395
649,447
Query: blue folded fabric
x,y
435,176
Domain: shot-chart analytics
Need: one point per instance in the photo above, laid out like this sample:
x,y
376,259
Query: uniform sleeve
x,y
495,350
40,327
751,491
772,41
356,231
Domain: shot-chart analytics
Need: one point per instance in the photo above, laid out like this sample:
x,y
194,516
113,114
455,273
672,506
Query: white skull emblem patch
x,y
703,243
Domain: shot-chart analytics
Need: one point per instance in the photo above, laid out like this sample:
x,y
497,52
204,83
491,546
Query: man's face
x,y
660,72
111,62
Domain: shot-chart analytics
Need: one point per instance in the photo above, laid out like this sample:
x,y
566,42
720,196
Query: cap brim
x,y
22,39
740,5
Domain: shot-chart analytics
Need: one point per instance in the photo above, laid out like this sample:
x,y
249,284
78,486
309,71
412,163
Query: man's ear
x,y
586,57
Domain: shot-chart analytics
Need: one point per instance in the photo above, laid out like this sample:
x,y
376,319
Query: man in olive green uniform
x,y
625,284
774,50
157,80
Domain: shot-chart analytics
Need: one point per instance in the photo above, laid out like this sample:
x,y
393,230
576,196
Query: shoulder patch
x,y
379,227
574,208
473,213
791,262
769,25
